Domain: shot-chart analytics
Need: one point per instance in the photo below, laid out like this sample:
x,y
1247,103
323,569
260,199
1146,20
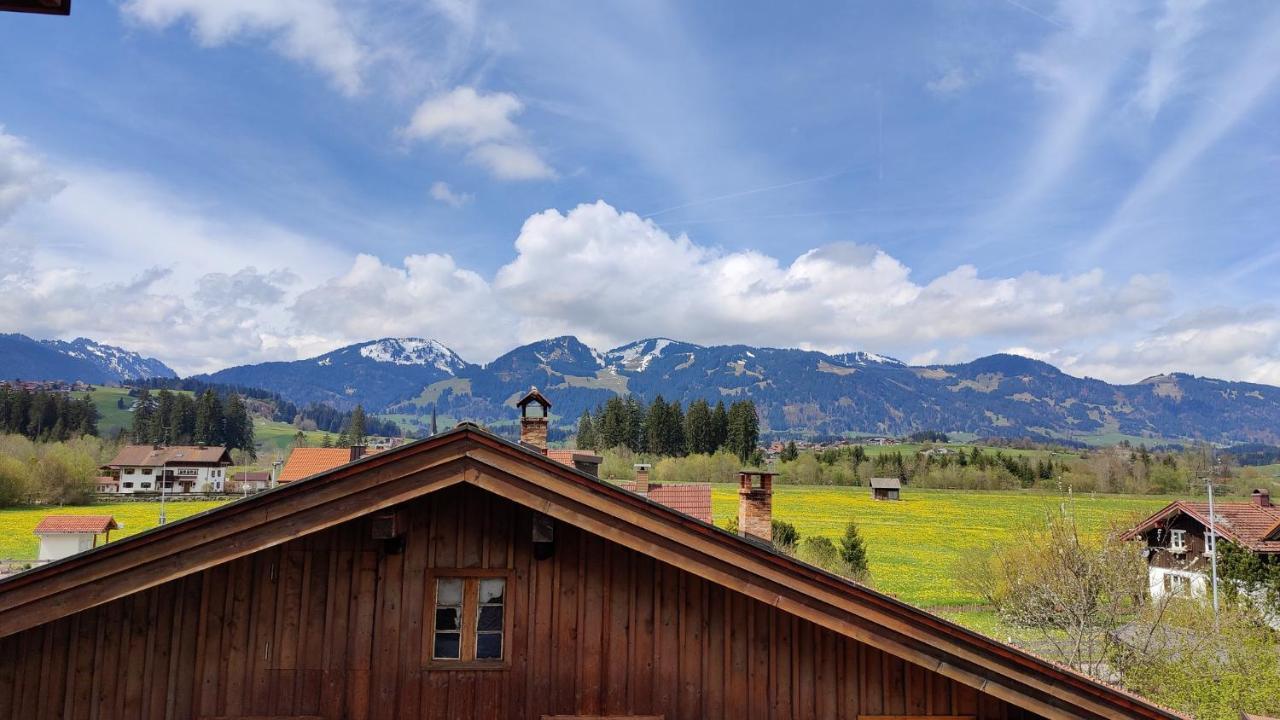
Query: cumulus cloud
x,y
484,125
619,276
24,177
246,287
441,192
316,32
429,295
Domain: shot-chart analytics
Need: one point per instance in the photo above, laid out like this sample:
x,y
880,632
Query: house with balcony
x,y
174,469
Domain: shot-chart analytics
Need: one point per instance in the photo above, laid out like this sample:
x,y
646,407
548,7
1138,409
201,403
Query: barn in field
x,y
465,576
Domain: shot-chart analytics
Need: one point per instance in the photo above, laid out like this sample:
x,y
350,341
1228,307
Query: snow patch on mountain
x,y
863,359
637,356
413,351
123,364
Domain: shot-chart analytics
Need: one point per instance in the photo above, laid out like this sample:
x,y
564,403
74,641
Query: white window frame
x,y
1178,541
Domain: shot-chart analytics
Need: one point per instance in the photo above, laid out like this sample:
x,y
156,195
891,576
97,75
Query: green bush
x,y
853,551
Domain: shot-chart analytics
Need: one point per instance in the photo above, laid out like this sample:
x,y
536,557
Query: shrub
x,y
853,551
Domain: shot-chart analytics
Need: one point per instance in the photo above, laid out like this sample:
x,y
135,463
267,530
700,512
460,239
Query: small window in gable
x,y
1178,540
469,622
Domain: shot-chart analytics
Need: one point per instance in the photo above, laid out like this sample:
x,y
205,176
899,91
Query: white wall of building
x,y
55,546
1160,581
147,480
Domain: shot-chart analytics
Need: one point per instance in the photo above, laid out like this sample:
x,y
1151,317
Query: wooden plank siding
x,y
337,625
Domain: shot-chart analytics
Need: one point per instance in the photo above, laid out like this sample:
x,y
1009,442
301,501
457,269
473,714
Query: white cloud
x,y
484,125
322,33
23,176
1172,36
950,82
429,296
612,276
441,191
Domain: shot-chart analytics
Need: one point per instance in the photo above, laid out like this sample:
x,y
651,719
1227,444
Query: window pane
x,y
489,646
449,591
447,618
490,618
447,646
491,591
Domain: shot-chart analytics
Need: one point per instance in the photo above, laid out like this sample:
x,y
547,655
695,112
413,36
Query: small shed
x,y
886,488
65,535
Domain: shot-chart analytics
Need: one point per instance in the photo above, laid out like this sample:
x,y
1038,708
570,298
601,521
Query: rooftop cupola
x,y
535,409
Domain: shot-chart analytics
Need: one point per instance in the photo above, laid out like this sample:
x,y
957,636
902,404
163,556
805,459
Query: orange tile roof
x,y
1245,523
692,499
304,462
75,524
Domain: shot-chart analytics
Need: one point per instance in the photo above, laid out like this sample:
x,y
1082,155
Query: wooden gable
x,y
288,604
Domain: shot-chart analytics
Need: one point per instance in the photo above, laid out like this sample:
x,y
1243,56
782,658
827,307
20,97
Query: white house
x,y
65,535
171,468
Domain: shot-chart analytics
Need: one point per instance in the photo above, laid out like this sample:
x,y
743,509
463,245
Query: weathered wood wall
x,y
332,625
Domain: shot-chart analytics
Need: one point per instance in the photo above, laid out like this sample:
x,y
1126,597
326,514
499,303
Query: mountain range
x,y
82,359
796,391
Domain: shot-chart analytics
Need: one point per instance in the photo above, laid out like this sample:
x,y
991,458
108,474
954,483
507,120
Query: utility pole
x,y
1213,549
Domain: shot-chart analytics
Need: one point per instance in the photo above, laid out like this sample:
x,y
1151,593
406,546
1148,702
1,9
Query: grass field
x,y
17,542
918,547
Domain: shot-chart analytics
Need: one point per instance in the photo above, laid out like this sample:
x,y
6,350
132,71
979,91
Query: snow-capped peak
x,y
413,351
125,364
637,356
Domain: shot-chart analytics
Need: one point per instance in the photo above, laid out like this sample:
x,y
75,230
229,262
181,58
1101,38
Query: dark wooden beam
x,y
43,7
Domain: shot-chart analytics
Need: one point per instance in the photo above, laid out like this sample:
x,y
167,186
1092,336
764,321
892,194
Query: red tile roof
x,y
50,524
1246,524
692,499
150,456
305,462
567,457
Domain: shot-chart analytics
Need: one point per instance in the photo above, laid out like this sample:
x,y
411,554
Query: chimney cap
x,y
533,396
642,466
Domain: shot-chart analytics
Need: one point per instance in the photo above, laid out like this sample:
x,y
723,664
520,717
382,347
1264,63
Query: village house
x,y
1179,546
171,468
249,481
467,576
65,535
886,488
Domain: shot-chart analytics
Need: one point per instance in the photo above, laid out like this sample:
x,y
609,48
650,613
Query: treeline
x,y
46,416
318,416
665,429
282,410
177,418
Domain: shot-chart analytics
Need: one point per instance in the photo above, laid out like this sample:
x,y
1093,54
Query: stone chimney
x,y
755,505
642,478
534,413
357,452
1262,497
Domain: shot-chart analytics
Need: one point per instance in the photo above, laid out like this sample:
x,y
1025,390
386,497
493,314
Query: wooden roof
x,y
886,483
44,7
467,454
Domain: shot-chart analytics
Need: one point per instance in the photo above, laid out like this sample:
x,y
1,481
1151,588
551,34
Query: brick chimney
x,y
755,505
357,452
642,478
534,412
1262,497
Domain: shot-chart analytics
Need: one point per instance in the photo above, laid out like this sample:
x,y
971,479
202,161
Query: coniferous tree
x,y
586,432
719,427
854,551
655,421
744,429
355,427
635,415
209,421
144,410
611,427
790,452
698,433
673,435
326,442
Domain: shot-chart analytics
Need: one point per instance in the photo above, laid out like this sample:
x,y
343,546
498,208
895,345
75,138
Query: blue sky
x,y
1094,184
